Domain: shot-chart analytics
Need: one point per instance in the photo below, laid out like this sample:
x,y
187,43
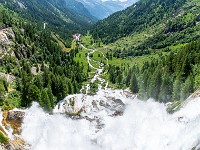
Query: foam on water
x,y
112,120
143,126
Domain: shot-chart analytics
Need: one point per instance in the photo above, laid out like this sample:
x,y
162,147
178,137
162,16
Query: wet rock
x,y
102,103
117,113
13,119
16,144
119,102
72,105
193,96
177,105
3,131
115,105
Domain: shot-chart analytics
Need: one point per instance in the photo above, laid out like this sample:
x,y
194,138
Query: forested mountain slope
x,y
60,13
151,24
41,70
165,34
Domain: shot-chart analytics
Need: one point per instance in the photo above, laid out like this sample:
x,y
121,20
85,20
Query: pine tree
x,y
144,84
155,84
166,88
128,77
51,97
33,94
134,84
187,88
176,94
46,104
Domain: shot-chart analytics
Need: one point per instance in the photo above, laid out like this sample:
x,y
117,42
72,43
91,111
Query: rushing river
x,y
143,126
111,120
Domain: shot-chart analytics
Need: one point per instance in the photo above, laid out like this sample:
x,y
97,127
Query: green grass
x,y
89,42
2,69
125,62
130,61
94,64
62,45
3,139
81,58
135,39
98,56
178,47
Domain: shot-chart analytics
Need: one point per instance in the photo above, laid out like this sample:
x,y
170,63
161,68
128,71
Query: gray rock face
x,y
6,36
15,119
16,115
92,107
8,77
194,95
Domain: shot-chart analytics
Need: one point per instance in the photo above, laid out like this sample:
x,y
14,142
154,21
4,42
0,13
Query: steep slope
x,y
151,24
41,71
60,13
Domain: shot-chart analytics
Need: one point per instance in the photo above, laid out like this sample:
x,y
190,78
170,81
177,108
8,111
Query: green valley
x,y
70,81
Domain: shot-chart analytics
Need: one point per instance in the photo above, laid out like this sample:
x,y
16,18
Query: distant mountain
x,y
102,9
60,13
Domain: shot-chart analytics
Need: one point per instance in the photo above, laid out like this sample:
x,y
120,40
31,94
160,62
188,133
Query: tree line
x,y
43,71
171,77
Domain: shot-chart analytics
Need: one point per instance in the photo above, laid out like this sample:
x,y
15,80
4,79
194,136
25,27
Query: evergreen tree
x,y
155,84
166,87
33,94
134,84
176,94
187,88
46,104
51,97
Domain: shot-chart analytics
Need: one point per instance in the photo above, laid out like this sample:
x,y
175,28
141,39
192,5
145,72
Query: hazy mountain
x,y
102,9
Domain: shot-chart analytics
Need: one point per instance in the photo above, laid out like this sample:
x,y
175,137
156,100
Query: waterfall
x,y
111,120
144,125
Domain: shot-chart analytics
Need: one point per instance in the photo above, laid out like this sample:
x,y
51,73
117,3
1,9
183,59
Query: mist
x,y
144,125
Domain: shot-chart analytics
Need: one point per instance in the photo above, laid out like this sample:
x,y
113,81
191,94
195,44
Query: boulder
x,y
13,119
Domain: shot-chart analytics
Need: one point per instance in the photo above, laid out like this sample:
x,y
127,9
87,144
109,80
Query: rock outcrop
x,y
6,35
13,119
15,144
177,105
8,77
89,107
191,97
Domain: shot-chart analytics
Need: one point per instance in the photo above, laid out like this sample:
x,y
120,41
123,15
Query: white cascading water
x,y
143,126
111,120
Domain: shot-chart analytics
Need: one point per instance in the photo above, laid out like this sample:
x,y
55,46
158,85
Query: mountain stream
x,y
111,120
